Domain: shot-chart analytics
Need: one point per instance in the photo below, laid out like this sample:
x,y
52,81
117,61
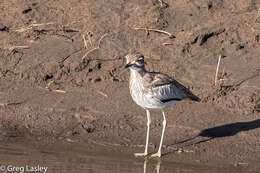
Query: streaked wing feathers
x,y
166,88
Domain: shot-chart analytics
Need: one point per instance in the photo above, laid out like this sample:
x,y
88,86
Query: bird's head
x,y
135,61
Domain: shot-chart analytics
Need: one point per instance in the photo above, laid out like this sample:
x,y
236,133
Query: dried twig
x,y
11,103
216,76
68,56
89,39
165,44
103,94
31,26
85,42
156,30
258,13
101,39
11,48
49,89
59,91
91,50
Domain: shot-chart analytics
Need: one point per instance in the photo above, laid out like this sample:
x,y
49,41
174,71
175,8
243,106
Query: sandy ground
x,y
62,76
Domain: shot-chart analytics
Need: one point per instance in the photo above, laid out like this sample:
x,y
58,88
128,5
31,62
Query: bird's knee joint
x,y
164,122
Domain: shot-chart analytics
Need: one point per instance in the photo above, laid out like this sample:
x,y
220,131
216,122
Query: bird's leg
x,y
145,164
147,135
158,165
159,153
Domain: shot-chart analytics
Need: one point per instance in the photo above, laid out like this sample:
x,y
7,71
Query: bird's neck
x,y
137,72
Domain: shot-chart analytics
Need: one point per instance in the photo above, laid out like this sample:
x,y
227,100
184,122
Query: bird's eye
x,y
140,60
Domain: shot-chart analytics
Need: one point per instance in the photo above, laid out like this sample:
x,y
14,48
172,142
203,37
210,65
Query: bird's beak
x,y
128,65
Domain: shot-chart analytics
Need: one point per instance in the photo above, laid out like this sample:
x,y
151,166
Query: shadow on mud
x,y
221,131
229,129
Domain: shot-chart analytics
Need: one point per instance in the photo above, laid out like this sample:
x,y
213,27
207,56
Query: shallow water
x,y
19,158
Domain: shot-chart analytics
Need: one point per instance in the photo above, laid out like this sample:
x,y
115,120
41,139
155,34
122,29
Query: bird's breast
x,y
144,96
136,90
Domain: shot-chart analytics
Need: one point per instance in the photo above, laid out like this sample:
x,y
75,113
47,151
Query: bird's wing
x,y
167,89
153,79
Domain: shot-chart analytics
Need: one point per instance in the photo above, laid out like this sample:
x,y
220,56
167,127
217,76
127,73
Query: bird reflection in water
x,y
157,168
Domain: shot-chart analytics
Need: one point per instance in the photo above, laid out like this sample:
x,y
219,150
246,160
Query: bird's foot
x,y
140,154
158,154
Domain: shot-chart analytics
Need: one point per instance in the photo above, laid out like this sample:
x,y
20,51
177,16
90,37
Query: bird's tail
x,y
185,92
189,95
193,97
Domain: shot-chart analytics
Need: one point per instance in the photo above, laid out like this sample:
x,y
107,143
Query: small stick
x,y
59,91
103,94
41,24
258,12
216,76
156,30
33,25
48,89
86,54
98,46
89,39
101,39
85,42
16,47
11,103
165,44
